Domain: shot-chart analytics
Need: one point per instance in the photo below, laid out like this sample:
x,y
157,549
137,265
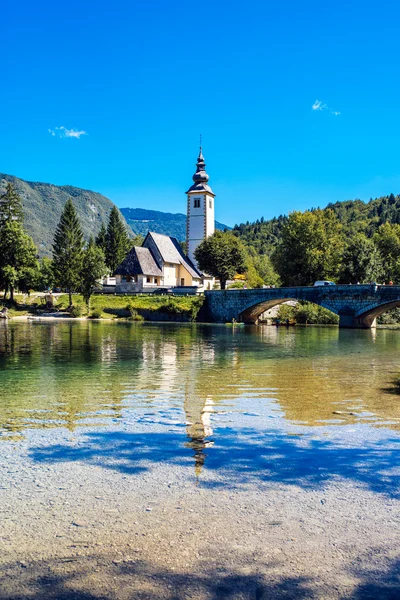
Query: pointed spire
x,y
200,177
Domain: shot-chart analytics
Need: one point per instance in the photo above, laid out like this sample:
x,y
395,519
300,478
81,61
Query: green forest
x,y
347,242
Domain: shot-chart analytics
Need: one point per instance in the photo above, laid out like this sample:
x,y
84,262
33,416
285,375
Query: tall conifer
x,y
101,238
117,242
10,206
68,250
18,262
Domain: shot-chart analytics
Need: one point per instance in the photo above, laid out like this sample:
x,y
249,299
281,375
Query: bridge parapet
x,y
357,305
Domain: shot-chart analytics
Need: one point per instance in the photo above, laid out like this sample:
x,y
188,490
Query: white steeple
x,y
200,209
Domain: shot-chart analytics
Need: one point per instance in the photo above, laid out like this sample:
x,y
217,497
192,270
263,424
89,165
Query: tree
x,y
387,240
101,238
10,206
93,269
310,248
259,269
137,240
117,241
221,255
46,274
17,254
18,263
28,278
68,250
361,262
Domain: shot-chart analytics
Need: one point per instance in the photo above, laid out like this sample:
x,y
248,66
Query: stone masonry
x,y
358,306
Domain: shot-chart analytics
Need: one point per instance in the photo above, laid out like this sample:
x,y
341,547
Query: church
x,y
160,262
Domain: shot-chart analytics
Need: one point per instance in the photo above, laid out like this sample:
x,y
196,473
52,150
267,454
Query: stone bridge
x,y
358,306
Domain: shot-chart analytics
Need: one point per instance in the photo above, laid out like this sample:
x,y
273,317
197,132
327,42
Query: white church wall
x,y
210,220
170,274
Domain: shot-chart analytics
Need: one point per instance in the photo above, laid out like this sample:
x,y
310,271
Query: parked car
x,y
317,283
162,291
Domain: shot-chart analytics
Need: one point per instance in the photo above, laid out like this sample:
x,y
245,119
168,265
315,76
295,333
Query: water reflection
x,y
74,374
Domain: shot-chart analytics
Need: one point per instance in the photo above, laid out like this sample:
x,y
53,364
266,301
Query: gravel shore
x,y
83,520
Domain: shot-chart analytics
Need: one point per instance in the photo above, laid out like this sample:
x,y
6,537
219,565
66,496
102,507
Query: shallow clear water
x,y
200,391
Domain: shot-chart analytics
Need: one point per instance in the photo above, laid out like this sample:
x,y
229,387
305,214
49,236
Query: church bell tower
x,y
200,209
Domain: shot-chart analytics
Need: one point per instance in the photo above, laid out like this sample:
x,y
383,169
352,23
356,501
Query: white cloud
x,y
318,105
63,132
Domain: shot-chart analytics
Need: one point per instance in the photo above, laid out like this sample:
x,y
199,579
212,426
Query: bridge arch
x,y
368,318
252,313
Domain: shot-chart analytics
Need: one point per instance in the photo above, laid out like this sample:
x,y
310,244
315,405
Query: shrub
x,y
237,285
195,307
172,307
95,314
76,311
134,315
391,317
305,312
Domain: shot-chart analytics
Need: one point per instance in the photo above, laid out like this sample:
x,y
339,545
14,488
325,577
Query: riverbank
x,y
149,308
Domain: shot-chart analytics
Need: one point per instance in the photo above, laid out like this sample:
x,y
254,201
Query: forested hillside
x,y
348,242
43,204
141,221
355,216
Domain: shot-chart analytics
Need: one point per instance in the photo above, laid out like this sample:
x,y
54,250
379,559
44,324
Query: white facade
x,y
170,274
200,220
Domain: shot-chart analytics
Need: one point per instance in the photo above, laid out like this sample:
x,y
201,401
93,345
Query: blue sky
x,y
262,81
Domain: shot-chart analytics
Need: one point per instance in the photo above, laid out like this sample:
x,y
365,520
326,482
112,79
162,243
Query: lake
x,y
242,426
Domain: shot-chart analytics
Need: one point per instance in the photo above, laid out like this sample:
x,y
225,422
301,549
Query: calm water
x,y
201,392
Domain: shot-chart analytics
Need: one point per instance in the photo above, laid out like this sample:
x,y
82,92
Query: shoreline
x,y
64,318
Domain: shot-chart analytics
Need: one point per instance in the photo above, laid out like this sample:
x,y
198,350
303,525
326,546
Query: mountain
x,y
43,204
141,221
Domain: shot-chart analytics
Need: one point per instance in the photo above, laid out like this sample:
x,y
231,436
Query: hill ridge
x,y
43,203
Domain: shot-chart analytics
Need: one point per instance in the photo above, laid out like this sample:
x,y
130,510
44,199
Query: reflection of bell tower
x,y
198,425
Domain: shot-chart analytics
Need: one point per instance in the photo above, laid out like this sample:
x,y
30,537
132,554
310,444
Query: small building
x,y
159,262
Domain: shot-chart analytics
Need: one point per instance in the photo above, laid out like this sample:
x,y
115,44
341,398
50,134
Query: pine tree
x,y
117,242
18,262
10,206
68,250
101,238
17,256
93,269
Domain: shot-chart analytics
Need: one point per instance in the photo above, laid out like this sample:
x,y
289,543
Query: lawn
x,y
109,306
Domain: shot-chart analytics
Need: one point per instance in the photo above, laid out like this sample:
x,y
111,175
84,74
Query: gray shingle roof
x,y
139,261
172,252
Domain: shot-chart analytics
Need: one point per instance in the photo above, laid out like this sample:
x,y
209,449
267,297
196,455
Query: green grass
x,y
113,307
